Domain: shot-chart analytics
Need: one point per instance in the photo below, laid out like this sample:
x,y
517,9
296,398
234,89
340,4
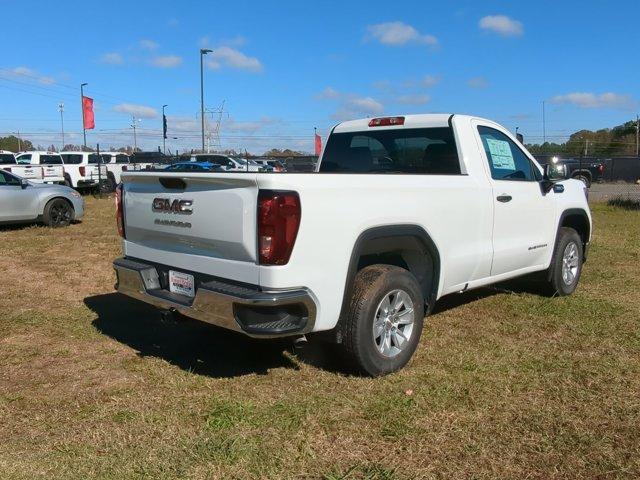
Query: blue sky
x,y
285,67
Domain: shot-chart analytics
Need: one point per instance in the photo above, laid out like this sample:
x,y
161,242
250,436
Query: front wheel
x,y
384,321
57,213
584,179
566,264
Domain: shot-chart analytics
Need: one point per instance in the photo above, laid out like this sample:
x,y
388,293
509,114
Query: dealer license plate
x,y
181,283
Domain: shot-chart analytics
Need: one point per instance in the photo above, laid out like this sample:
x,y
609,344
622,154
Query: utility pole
x,y
61,110
544,125
637,136
135,138
203,52
84,130
586,147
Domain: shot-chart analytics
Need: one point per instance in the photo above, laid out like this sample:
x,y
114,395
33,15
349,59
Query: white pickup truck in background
x,y
81,170
402,211
30,172
116,163
50,162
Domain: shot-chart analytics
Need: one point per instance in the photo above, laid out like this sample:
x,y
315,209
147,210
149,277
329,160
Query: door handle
x,y
504,198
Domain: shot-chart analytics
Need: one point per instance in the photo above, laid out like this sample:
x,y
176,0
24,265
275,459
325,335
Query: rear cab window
x,y
420,151
7,159
50,159
72,158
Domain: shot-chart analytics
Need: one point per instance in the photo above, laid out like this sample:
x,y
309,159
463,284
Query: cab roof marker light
x,y
386,121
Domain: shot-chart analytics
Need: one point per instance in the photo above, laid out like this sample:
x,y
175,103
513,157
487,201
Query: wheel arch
x,y
405,245
577,219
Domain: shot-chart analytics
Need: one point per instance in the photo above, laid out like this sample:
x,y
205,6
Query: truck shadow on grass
x,y
189,344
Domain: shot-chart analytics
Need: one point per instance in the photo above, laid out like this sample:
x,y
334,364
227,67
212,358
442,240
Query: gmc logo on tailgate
x,y
167,205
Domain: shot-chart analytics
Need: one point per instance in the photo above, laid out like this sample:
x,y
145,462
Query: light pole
x,y
164,131
135,138
61,110
203,52
84,130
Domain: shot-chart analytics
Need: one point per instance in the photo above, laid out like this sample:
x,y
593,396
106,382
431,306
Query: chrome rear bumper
x,y
254,312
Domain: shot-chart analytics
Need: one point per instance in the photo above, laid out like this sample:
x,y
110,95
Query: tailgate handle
x,y
173,183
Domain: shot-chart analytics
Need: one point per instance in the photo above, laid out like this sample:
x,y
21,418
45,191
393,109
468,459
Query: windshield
x,y
94,158
400,150
6,159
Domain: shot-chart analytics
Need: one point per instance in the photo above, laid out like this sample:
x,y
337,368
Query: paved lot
x,y
601,192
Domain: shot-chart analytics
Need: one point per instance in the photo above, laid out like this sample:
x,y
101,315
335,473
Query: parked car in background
x,y
587,172
24,201
277,165
228,163
81,170
147,160
30,172
50,162
194,167
402,211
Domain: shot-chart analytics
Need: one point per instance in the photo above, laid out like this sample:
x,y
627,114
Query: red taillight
x,y
278,221
601,168
124,168
386,121
82,171
120,209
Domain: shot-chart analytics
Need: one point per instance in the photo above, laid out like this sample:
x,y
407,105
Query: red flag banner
x,y
88,120
318,144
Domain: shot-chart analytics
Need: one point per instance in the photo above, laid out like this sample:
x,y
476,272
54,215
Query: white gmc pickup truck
x,y
401,211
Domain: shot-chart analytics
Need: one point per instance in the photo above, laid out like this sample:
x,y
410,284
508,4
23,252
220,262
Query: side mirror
x,y
24,183
554,172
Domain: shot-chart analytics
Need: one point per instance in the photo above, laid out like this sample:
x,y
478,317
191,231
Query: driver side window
x,y
506,160
6,179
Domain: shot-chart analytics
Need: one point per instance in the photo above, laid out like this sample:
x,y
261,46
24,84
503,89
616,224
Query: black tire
x,y
584,179
559,281
58,213
372,286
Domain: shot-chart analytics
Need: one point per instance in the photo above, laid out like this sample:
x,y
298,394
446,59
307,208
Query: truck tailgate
x,y
53,172
201,222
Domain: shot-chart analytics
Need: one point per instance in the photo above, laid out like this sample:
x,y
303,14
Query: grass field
x,y
505,384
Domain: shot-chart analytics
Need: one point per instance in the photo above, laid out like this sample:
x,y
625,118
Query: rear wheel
x,y
384,321
58,213
566,264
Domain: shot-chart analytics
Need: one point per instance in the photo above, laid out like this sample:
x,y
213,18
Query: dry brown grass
x,y
505,384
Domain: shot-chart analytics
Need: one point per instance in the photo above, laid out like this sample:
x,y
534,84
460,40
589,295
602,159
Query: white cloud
x,y
112,58
230,57
25,73
148,45
414,99
166,61
396,34
477,82
429,81
502,25
594,100
248,127
328,92
140,111
351,105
